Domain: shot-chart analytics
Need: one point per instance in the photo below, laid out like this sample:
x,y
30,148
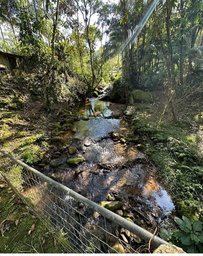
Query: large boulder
x,y
137,96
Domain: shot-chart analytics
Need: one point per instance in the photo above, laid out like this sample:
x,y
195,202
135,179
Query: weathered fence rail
x,y
86,226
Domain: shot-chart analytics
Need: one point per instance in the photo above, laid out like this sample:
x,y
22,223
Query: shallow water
x,y
111,166
96,127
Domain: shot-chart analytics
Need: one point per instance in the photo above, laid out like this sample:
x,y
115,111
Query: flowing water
x,y
112,167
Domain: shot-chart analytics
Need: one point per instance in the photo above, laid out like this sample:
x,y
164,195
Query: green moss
x,y
7,114
22,231
44,144
29,140
32,154
139,96
75,161
112,205
20,134
5,132
15,176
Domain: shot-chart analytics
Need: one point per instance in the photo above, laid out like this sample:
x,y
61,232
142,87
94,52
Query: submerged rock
x,y
75,161
56,162
87,142
72,150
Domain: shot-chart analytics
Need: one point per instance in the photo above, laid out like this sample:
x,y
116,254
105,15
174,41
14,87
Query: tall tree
x,y
87,30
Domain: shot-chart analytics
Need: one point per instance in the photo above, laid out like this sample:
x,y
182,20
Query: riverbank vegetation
x,y
70,51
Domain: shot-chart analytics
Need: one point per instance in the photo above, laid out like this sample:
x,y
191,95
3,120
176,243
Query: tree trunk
x,y
49,76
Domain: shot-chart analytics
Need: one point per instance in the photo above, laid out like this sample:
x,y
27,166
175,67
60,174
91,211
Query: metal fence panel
x,y
86,226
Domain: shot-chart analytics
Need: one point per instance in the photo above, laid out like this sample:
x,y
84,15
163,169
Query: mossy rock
x,y
75,161
139,96
112,205
117,248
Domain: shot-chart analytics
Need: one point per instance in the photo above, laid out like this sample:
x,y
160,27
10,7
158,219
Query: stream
x,y
112,168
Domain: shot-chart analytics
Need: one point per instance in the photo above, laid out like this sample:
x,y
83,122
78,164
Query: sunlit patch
x,y
34,193
131,153
154,190
119,149
150,186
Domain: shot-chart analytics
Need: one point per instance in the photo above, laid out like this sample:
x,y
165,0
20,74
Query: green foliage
x,y
178,161
189,235
91,247
31,154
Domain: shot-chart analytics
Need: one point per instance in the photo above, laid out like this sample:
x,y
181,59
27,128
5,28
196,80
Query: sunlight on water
x,y
164,200
95,108
96,128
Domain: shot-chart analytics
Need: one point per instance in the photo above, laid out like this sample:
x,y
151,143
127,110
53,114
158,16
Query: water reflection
x,y
95,108
154,190
164,200
134,180
96,128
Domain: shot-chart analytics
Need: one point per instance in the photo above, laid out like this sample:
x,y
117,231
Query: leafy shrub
x,y
189,236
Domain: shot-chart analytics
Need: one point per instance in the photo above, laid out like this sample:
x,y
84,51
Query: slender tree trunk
x,y
2,34
49,76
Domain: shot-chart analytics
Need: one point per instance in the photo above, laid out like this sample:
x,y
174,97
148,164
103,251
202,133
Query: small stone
x,y
124,238
123,140
115,135
72,150
3,185
96,215
126,232
137,239
87,142
109,197
119,212
130,110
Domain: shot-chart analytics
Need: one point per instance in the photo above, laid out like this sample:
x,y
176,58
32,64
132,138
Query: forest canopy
x,y
82,38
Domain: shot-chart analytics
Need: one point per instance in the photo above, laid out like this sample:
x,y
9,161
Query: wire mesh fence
x,y
82,225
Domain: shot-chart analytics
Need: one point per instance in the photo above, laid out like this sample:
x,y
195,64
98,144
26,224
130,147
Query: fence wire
x,y
82,225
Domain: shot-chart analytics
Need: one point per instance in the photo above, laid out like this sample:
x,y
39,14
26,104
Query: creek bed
x,y
113,167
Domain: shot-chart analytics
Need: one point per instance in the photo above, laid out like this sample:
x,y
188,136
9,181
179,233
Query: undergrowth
x,y
172,147
21,230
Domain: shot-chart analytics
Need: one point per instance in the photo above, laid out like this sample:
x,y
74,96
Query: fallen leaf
x,y
3,185
16,222
43,241
31,229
